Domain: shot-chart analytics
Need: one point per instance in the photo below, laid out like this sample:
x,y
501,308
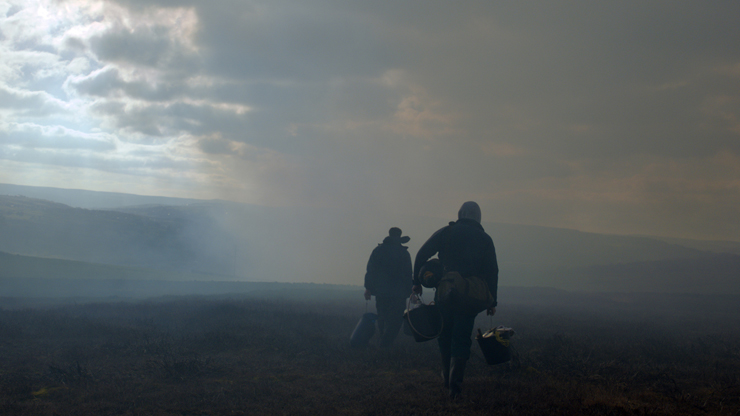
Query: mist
x,y
188,240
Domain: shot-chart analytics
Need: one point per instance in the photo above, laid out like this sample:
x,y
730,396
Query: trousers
x,y
455,340
390,317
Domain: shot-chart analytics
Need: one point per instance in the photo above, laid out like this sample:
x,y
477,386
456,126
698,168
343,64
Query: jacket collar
x,y
469,223
395,240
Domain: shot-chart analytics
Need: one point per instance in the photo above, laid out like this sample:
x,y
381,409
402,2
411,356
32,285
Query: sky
x,y
611,117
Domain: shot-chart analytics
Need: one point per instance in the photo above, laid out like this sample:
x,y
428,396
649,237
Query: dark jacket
x,y
463,247
389,269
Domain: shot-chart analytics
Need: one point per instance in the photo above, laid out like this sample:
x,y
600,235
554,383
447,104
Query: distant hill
x,y
719,273
47,229
543,248
732,247
14,266
35,277
79,198
332,246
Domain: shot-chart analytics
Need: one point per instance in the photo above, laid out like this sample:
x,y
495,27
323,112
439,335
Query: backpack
x,y
464,294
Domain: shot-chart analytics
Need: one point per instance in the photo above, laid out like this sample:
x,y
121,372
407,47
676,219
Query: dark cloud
x,y
588,74
148,46
139,119
554,113
101,83
297,45
75,44
108,82
216,146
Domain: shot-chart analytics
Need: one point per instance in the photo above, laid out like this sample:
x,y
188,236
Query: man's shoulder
x,y
469,228
397,248
466,226
389,247
378,250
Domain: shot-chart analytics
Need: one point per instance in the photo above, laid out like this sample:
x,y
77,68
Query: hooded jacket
x,y
463,247
389,269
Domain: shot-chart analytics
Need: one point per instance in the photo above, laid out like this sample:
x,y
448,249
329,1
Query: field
x,y
208,355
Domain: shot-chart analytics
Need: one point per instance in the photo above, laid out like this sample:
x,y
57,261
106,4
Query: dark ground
x,y
243,356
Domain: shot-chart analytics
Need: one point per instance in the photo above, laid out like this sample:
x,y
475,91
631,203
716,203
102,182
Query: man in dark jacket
x,y
463,247
388,278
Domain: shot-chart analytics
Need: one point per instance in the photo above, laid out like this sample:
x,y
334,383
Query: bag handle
x,y
408,318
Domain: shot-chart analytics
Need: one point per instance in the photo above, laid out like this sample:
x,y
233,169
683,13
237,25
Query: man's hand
x,y
368,294
491,311
416,289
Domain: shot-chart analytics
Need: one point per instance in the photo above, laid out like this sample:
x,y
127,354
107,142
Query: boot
x,y
457,371
446,370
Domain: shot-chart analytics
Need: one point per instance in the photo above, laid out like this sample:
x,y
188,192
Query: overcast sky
x,y
617,117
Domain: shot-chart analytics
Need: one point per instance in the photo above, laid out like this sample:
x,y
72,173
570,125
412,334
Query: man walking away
x,y
465,248
388,278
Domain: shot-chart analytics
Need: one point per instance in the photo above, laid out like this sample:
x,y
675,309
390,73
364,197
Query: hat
x,y
396,232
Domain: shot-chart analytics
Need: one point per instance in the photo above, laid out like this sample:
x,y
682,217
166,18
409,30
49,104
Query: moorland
x,y
267,353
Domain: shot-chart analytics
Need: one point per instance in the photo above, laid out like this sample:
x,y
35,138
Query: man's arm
x,y
408,271
430,248
370,274
427,250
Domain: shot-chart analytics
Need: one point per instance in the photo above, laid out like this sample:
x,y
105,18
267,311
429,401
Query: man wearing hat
x,y
388,278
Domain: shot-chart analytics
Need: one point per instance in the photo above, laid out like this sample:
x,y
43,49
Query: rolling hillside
x,y
46,229
718,273
80,198
36,277
15,266
330,246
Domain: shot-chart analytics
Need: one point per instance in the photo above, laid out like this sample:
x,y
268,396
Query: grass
x,y
217,356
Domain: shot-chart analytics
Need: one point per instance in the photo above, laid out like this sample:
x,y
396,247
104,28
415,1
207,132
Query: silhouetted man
x,y
465,248
388,278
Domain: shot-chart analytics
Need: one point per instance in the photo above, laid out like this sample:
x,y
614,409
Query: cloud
x,y
216,145
30,103
26,135
155,163
567,114
290,41
147,46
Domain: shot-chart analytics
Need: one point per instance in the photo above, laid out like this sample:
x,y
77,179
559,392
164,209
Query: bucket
x,y
424,320
364,330
495,344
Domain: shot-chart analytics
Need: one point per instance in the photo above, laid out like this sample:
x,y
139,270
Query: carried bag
x,y
464,294
495,344
364,330
425,320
